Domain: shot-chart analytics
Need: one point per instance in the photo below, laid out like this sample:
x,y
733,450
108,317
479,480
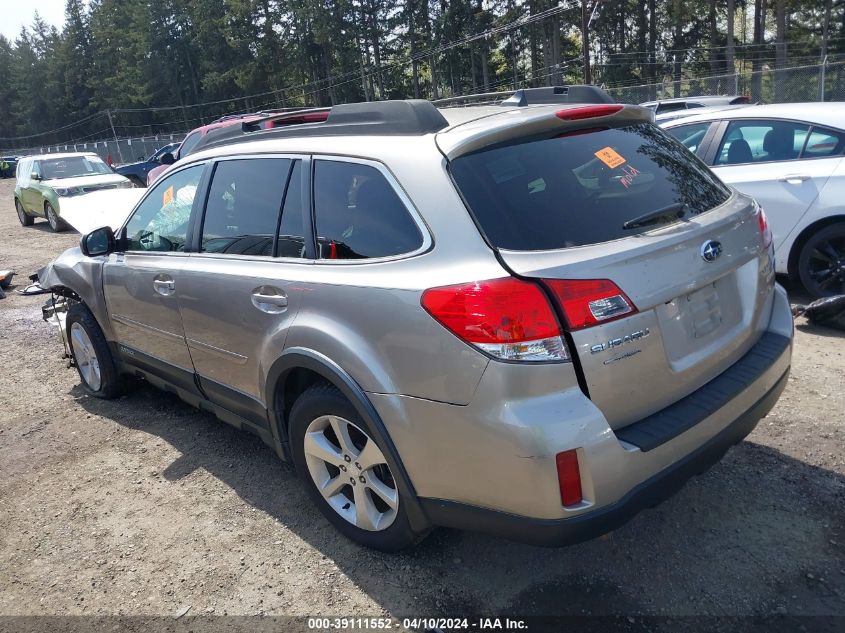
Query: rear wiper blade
x,y
658,216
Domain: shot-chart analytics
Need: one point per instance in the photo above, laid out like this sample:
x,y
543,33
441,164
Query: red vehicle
x,y
193,138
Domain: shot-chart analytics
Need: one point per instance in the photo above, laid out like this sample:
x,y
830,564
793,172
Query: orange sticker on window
x,y
609,157
167,197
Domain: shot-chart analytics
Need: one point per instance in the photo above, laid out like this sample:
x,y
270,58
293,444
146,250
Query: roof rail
x,y
383,118
558,94
479,98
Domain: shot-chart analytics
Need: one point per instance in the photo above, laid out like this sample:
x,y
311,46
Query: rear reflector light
x,y
587,302
569,477
765,229
507,318
588,112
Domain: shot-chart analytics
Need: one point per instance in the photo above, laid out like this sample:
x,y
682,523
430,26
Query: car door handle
x,y
165,286
794,179
269,299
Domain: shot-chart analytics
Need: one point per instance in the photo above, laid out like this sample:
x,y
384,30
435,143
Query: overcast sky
x,y
16,13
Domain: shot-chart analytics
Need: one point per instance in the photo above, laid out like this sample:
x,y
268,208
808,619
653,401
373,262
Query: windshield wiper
x,y
666,214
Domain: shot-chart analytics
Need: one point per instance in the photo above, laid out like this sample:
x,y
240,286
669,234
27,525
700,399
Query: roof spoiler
x,y
558,94
382,118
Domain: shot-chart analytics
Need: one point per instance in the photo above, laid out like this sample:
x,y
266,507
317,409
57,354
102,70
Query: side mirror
x,y
98,242
36,176
167,159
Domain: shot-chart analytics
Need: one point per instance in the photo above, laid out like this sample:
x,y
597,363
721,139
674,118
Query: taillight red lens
x,y
569,477
765,229
507,318
587,302
588,112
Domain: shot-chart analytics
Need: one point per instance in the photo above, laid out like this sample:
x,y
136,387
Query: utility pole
x,y
825,31
585,41
114,134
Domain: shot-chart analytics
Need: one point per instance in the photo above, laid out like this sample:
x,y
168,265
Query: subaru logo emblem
x,y
711,250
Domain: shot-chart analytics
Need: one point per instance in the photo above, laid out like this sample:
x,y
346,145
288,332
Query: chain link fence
x,y
820,82
118,152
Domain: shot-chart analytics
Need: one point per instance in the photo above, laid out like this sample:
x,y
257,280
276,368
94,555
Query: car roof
x,y
205,129
700,99
466,129
62,155
830,114
665,117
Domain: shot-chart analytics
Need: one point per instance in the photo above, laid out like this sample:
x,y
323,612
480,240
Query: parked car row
x,y
534,319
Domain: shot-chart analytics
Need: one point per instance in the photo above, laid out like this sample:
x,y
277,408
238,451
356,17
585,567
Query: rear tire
x,y
25,219
53,219
347,478
821,262
91,354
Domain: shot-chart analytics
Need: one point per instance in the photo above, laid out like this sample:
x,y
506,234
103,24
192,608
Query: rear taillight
x,y
569,477
588,112
507,318
587,302
765,230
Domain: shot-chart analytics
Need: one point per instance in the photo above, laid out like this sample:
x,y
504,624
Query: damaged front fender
x,y
73,274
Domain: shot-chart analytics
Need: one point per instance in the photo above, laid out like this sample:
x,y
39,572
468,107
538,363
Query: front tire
x,y
821,262
53,219
91,354
345,472
25,219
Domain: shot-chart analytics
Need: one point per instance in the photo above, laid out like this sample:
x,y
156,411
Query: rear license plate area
x,y
701,311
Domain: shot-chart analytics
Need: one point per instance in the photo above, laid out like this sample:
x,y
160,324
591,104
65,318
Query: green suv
x,y
42,181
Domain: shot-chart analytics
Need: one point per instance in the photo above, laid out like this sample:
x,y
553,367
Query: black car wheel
x,y
821,262
53,219
25,219
91,354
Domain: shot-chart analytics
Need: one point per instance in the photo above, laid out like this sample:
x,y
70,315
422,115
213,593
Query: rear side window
x,y
244,202
823,143
581,188
690,135
358,214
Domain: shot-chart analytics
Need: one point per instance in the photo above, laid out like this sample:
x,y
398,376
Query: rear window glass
x,y
581,188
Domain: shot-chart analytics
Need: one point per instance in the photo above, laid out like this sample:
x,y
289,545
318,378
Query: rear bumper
x,y
490,465
592,524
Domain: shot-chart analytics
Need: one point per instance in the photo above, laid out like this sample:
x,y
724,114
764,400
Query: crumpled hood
x,y
84,181
110,207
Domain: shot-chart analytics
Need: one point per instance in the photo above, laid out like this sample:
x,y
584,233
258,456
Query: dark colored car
x,y
11,165
137,172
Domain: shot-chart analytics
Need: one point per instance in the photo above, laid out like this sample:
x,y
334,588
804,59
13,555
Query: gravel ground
x,y
144,506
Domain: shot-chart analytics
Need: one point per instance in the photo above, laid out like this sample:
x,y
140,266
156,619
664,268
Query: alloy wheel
x,y
86,357
52,220
21,213
826,266
350,472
